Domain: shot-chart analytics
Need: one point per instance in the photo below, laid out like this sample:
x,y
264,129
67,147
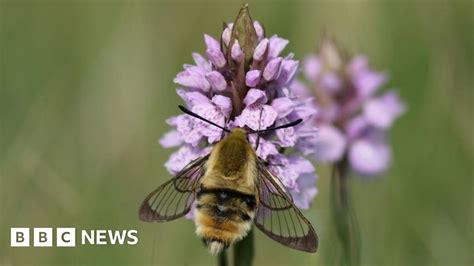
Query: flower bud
x,y
216,80
236,52
216,57
259,30
211,43
260,50
276,45
272,70
227,33
252,78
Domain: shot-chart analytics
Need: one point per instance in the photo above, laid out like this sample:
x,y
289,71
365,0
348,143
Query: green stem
x,y
222,259
244,251
344,217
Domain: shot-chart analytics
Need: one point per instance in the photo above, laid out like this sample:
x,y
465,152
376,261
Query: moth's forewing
x,y
174,198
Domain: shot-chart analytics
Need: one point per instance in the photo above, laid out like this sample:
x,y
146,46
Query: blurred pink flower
x,y
351,118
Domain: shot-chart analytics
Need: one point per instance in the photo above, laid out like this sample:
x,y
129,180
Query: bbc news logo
x,y
66,237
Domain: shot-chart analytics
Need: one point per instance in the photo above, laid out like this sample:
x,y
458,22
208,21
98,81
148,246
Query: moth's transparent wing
x,y
278,217
277,181
174,198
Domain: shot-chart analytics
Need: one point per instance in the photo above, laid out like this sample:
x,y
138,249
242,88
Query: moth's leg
x,y
267,164
225,124
257,142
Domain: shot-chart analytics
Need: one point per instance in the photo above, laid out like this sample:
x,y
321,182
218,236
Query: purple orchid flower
x,y
244,82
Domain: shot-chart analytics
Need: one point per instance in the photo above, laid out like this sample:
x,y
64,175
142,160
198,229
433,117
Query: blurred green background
x,y
86,87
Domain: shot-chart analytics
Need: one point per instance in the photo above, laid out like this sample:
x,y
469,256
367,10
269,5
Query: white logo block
x,y
43,237
20,237
65,237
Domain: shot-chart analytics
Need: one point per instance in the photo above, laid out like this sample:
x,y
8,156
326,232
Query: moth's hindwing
x,y
278,217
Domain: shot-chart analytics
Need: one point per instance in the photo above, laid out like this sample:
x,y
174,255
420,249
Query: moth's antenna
x,y
186,111
291,124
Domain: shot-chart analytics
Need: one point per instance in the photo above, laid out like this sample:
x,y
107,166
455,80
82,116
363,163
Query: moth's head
x,y
238,133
